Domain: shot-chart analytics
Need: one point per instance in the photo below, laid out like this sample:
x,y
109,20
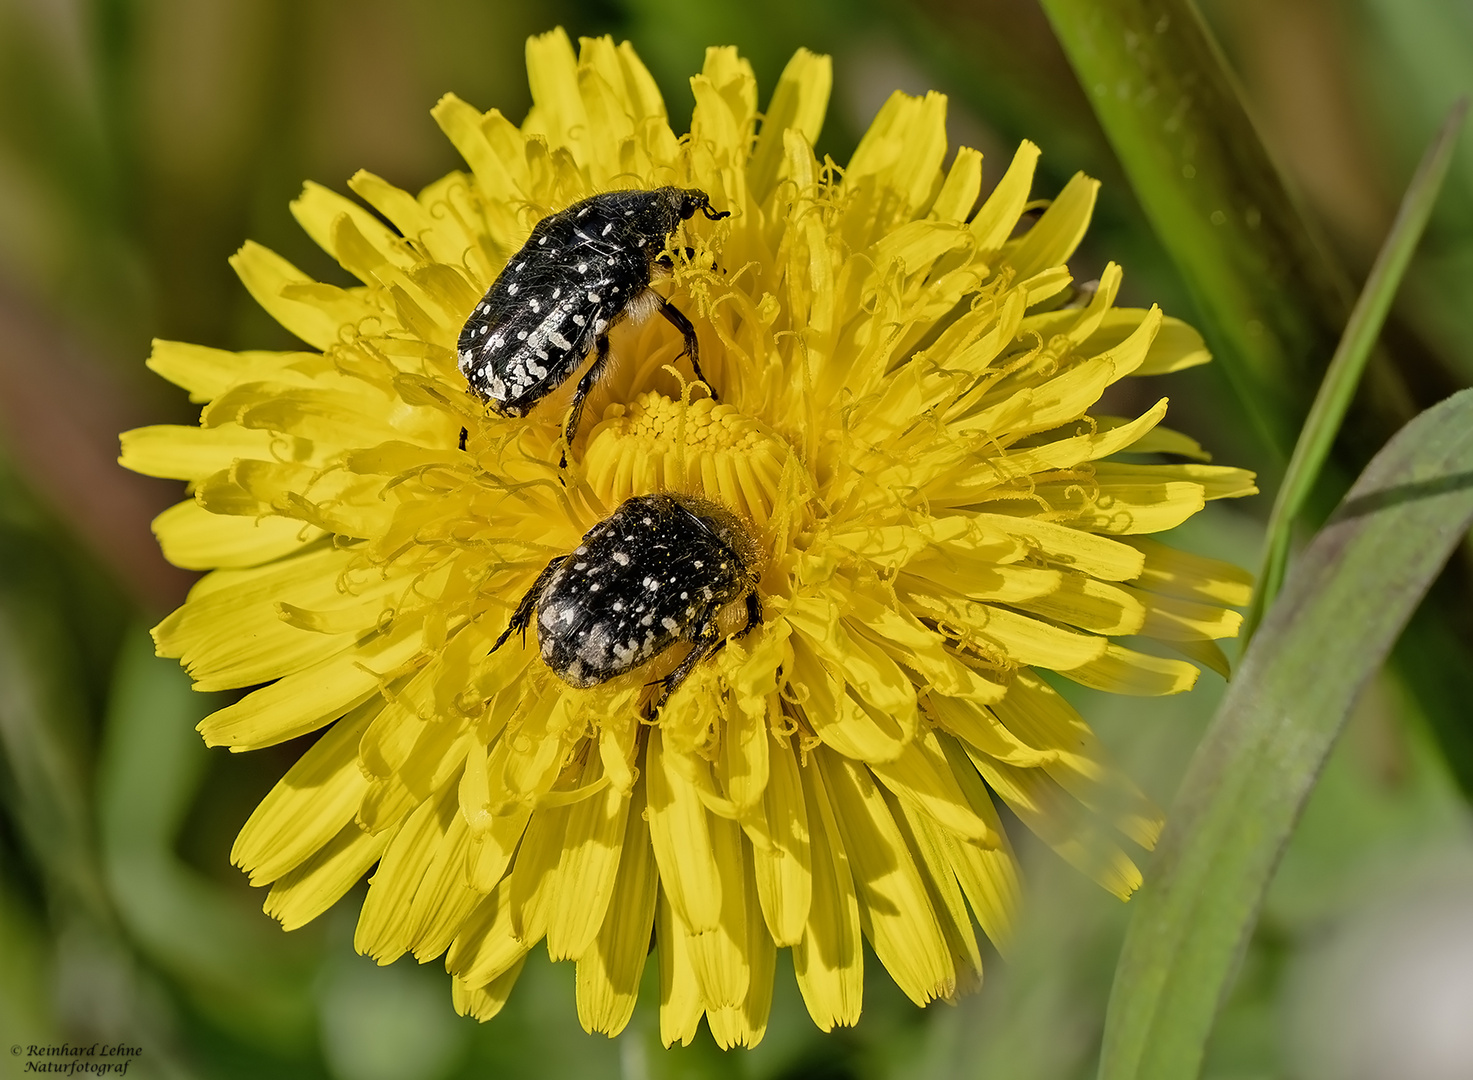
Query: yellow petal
x,y
486,947
680,829
1088,446
310,805
313,886
557,108
907,641
1176,346
641,91
407,742
306,701
1035,711
1096,606
1066,396
318,314
499,168
609,124
535,750
782,857
1027,641
235,635
386,925
1126,671
1217,481
726,107
874,712
317,209
963,184
934,862
829,961
1192,577
484,1002
680,995
618,743
922,778
1128,504
1057,233
719,955
989,877
401,209
745,1024
979,726
903,150
587,873
1163,440
609,971
893,905
492,849
999,215
195,539
444,899
345,414
203,371
1061,823
534,874
743,765
798,103
1204,653
1174,619
1097,556
836,717
206,373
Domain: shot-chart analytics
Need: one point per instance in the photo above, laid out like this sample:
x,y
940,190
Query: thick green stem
x,y
1273,304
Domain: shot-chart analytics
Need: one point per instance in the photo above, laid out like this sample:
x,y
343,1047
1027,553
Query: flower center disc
x,y
702,448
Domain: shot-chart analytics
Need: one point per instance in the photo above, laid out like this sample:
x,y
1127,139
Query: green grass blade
x,y
1342,608
1366,319
1271,303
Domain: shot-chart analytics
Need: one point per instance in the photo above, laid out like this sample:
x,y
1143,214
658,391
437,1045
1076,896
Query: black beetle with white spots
x,y
581,271
655,572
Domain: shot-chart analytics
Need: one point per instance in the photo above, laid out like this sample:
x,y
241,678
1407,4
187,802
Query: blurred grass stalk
x,y
1168,103
1273,304
1349,362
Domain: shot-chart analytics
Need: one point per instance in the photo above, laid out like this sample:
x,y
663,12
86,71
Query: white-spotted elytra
x,y
580,272
656,571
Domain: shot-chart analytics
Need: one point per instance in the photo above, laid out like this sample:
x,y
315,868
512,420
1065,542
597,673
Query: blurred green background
x,y
141,141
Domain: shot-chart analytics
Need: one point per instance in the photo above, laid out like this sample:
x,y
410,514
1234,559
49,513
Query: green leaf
x,y
1343,606
1369,315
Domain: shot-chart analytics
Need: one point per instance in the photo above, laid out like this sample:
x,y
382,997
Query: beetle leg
x,y
706,643
668,261
754,613
703,644
676,318
522,616
585,384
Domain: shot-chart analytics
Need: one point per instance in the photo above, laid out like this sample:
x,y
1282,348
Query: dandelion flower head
x,y
905,382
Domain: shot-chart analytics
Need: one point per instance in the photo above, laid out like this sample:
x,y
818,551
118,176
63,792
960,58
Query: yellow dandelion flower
x,y
903,424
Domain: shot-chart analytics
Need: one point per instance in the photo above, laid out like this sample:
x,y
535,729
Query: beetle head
x,y
693,200
686,201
